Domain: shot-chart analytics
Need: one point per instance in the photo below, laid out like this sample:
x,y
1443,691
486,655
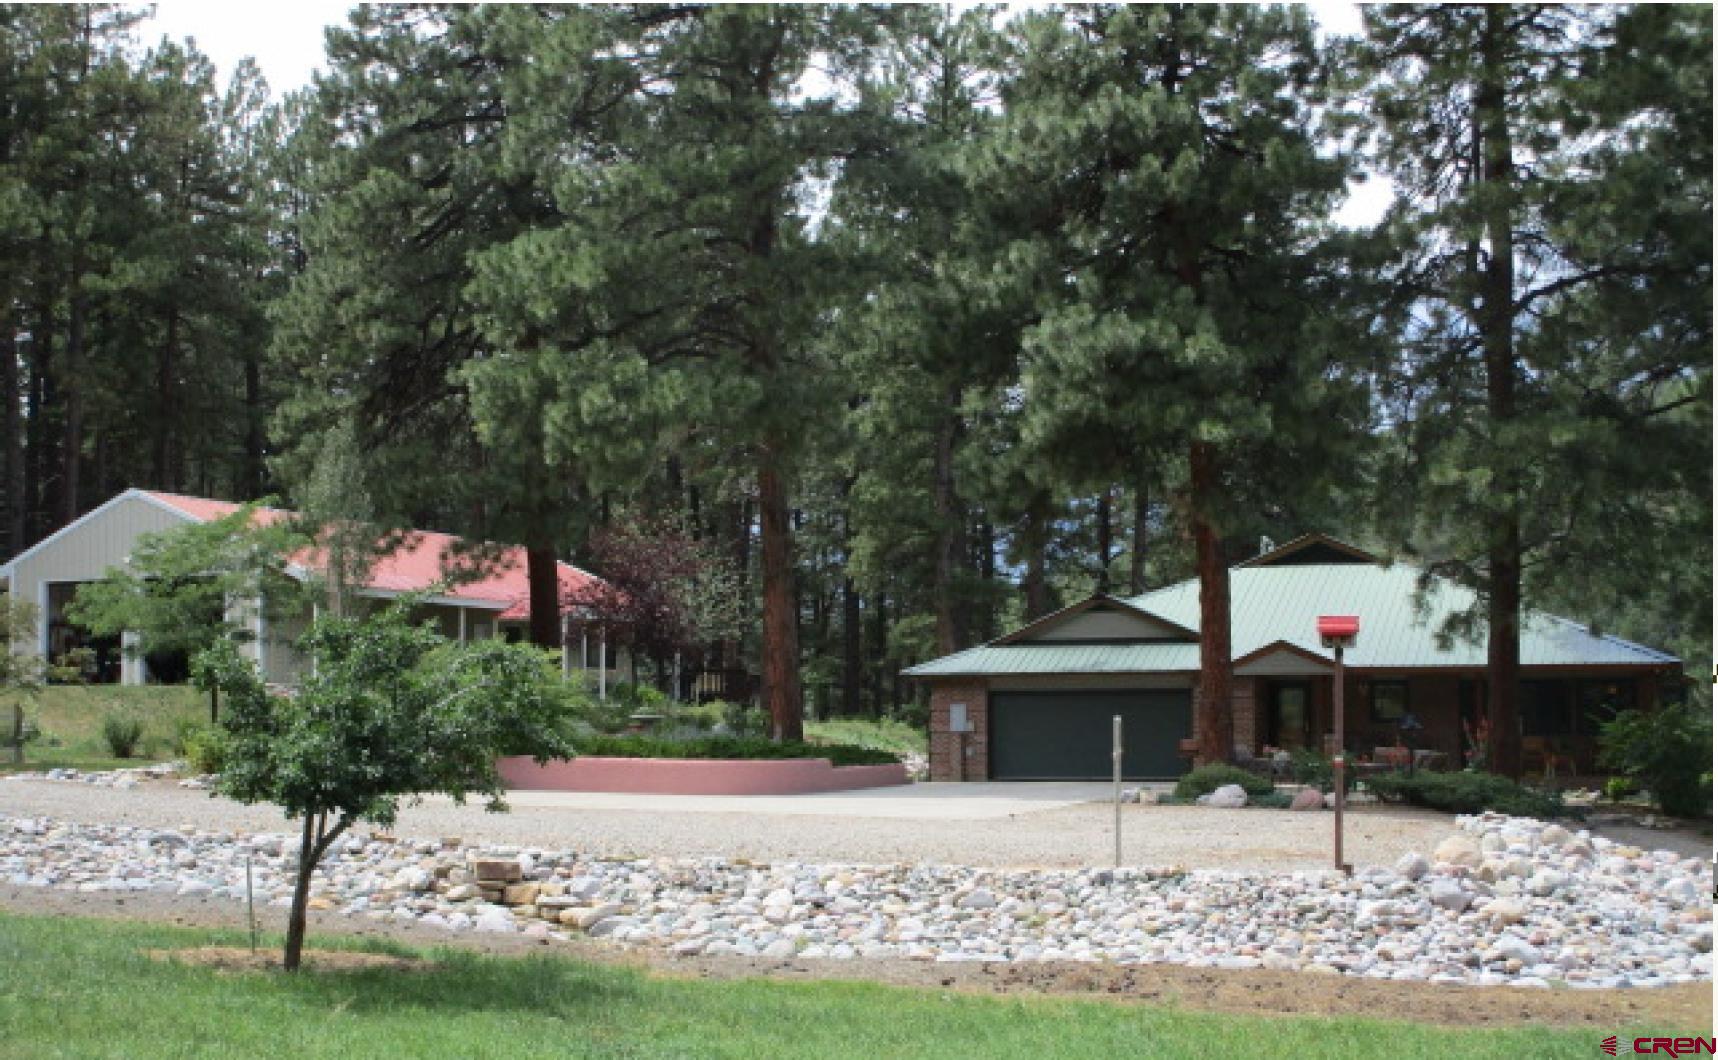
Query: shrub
x,y
1206,779
728,747
1619,788
1275,800
122,733
1314,770
1468,793
1668,752
205,750
185,732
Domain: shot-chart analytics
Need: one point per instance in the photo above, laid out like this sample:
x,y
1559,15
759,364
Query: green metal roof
x,y
1148,657
1269,604
1281,603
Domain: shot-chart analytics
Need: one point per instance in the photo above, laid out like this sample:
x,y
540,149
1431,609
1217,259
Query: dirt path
x,y
1680,1008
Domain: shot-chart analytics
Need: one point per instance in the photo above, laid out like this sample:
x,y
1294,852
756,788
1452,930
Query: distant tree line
x,y
929,321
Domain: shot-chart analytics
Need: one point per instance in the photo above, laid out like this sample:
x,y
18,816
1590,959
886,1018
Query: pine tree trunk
x,y
542,572
949,522
851,703
37,448
296,917
1141,536
1214,723
71,455
13,457
160,462
1035,539
986,625
255,414
1497,331
1106,539
782,698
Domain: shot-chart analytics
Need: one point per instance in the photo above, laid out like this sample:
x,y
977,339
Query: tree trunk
x,y
1497,332
13,457
255,414
1034,541
1106,538
295,920
987,579
851,704
950,521
782,698
160,464
71,455
542,572
1141,535
37,446
1214,723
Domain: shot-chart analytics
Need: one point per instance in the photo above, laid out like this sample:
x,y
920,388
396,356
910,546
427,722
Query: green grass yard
x,y
70,718
85,988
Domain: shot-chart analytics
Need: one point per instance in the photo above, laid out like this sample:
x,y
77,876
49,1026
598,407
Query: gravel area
x,y
1063,837
1501,901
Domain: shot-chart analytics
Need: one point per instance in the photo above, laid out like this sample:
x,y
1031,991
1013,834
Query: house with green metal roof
x,y
1038,703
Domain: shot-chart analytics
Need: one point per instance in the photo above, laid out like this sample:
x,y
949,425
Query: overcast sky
x,y
285,39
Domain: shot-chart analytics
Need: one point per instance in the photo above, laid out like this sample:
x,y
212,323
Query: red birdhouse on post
x,y
1337,632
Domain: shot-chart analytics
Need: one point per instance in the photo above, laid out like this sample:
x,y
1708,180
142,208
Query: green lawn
x,y
70,718
884,735
77,988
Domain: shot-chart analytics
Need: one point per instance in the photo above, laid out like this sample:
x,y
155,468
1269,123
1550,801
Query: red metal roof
x,y
421,559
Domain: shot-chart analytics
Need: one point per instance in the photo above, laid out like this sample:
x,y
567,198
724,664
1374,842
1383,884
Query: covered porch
x,y
1561,712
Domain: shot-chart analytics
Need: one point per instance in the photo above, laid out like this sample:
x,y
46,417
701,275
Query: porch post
x,y
462,637
602,663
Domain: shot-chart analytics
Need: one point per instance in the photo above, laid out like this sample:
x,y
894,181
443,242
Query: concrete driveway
x,y
941,801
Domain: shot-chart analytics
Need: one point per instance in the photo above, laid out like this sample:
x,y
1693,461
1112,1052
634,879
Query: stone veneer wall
x,y
945,745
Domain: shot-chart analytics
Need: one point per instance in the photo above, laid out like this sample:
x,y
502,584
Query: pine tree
x,y
1558,296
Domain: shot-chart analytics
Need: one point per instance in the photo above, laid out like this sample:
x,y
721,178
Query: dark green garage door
x,y
1066,735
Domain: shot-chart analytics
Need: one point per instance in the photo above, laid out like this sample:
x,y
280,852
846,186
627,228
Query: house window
x,y
1545,707
1599,702
1389,700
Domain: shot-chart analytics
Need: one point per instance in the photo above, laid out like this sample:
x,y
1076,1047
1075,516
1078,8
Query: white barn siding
x,y
83,551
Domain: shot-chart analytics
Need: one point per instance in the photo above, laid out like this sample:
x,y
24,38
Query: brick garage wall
x,y
945,745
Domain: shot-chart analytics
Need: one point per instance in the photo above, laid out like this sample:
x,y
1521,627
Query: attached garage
x,y
1066,735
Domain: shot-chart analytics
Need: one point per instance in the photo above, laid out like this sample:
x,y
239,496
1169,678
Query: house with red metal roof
x,y
473,590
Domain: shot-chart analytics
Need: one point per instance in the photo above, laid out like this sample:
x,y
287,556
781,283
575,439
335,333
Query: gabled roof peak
x,y
1310,548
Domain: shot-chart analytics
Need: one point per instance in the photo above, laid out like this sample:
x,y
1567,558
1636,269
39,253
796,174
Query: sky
x,y
285,39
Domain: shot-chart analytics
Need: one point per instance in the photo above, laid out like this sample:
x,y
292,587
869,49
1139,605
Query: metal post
x,y
250,901
1115,771
1338,762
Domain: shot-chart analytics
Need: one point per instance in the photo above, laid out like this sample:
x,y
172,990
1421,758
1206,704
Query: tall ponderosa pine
x,y
1187,286
1559,325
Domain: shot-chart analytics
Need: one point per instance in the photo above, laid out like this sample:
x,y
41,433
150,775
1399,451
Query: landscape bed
x,y
707,765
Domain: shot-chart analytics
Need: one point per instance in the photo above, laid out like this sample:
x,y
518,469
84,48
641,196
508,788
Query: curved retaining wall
x,y
695,776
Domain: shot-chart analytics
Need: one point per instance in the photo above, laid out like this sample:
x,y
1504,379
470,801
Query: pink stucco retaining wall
x,y
695,776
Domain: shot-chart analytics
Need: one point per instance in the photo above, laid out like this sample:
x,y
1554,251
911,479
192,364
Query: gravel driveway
x,y
1060,835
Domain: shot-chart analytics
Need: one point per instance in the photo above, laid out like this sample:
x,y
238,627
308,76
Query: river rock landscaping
x,y
1500,901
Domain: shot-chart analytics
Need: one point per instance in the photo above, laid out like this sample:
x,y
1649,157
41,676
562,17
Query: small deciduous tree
x,y
20,674
187,588
392,711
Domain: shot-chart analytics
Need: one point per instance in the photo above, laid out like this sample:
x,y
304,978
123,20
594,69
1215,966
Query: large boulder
x,y
1412,866
1307,799
1227,797
1458,850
